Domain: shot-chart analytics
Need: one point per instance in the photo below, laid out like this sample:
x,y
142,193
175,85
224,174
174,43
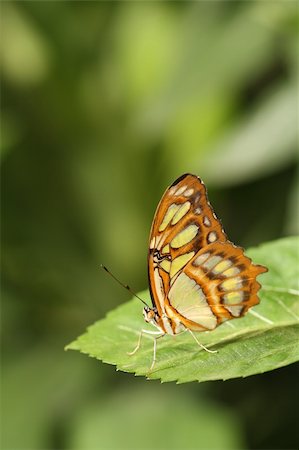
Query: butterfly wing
x,y
184,222
218,284
197,276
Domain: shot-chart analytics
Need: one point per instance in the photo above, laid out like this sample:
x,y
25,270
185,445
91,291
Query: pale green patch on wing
x,y
233,297
185,236
166,265
187,297
180,262
211,262
181,212
232,284
166,249
168,216
231,272
222,266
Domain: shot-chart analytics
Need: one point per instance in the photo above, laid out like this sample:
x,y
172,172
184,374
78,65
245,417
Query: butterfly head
x,y
151,315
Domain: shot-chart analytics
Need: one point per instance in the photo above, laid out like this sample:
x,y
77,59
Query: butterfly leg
x,y
201,345
155,351
139,340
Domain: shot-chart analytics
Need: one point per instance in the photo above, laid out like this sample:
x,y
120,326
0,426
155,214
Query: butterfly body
x,y
198,279
166,324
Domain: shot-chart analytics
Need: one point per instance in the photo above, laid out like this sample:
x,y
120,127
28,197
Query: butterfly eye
x,y
149,313
145,314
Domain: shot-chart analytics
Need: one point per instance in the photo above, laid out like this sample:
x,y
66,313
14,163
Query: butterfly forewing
x,y
184,211
196,275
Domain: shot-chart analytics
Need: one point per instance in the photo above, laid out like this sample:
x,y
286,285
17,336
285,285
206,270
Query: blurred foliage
x,y
103,105
199,425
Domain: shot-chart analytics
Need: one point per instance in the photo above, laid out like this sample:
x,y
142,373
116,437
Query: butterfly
x,y
198,279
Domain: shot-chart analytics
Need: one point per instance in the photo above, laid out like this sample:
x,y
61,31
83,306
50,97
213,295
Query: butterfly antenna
x,y
123,285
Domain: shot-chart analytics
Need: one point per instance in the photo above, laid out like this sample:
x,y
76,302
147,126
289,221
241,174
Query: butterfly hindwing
x,y
225,282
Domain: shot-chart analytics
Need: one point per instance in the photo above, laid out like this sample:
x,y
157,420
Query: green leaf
x,y
265,339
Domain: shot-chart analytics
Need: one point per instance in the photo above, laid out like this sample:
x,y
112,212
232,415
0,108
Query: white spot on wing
x,y
207,221
212,236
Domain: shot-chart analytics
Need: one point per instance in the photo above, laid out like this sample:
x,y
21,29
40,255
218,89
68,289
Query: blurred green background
x,y
104,104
